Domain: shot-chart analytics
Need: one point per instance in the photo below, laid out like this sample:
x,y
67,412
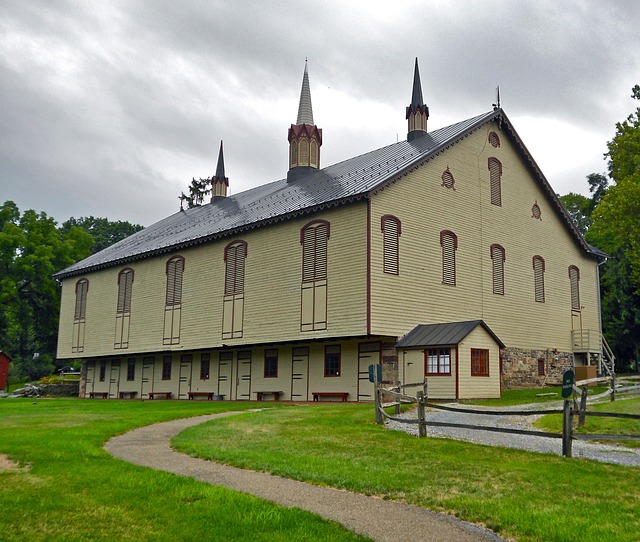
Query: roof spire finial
x,y
305,112
417,112
219,183
305,138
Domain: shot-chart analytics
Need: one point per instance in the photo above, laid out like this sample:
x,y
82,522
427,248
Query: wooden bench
x,y
153,394
341,394
208,394
98,395
128,394
261,394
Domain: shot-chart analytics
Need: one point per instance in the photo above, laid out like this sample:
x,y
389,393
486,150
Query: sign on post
x,y
378,369
568,378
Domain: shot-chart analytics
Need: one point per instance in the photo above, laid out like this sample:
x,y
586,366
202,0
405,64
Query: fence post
x,y
397,410
613,387
376,397
567,428
422,428
583,406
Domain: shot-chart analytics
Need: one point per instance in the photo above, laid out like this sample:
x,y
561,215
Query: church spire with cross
x,y
305,138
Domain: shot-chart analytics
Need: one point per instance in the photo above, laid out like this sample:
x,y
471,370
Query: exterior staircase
x,y
593,343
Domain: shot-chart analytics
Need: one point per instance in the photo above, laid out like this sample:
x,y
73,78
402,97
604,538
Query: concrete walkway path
x,y
376,518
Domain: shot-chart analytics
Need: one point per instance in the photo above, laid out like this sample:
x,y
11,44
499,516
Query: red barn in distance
x,y
4,369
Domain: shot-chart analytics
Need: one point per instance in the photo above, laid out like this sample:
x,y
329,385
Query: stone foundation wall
x,y
520,367
64,389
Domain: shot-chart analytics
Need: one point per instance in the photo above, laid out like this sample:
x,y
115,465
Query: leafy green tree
x,y
578,207
104,232
618,213
616,230
32,248
198,190
581,207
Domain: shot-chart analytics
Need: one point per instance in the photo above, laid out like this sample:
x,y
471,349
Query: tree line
x,y
33,247
610,220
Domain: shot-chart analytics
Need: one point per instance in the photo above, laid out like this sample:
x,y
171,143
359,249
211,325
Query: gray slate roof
x,y
448,334
345,182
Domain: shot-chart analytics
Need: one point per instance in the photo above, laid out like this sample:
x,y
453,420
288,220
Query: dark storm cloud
x,y
110,108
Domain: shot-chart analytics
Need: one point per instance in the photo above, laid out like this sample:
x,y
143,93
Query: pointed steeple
x,y
417,112
305,138
305,111
219,183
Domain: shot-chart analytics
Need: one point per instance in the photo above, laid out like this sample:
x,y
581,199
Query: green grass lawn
x,y
70,489
597,425
522,495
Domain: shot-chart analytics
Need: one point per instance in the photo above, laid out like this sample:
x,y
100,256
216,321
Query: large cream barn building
x,y
447,255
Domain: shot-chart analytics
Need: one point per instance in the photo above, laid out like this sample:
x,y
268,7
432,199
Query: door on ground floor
x,y
243,375
300,373
184,382
91,376
368,354
225,374
114,379
148,367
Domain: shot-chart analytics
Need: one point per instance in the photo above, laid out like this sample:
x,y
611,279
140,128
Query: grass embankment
x,y
527,496
602,426
70,489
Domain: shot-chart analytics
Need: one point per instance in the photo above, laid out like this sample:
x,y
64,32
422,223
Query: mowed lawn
x,y
520,495
69,489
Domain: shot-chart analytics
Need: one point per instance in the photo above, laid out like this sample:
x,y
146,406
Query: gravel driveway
x,y
588,450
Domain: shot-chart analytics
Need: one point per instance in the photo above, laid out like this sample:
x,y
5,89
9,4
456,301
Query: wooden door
x,y
300,373
148,368
243,375
114,379
184,382
368,354
225,374
90,379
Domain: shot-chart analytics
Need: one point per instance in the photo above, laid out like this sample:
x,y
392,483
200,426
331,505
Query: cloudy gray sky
x,y
109,108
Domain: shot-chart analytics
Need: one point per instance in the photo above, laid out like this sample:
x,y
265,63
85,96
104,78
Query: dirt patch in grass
x,y
7,465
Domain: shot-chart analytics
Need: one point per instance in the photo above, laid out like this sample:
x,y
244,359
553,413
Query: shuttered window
x,y
391,230
574,279
498,258
303,149
314,251
294,154
125,284
449,243
314,153
538,277
494,139
234,256
495,174
479,362
80,311
313,290
175,269
82,287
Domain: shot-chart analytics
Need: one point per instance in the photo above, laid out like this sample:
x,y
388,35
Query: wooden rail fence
x,y
569,410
